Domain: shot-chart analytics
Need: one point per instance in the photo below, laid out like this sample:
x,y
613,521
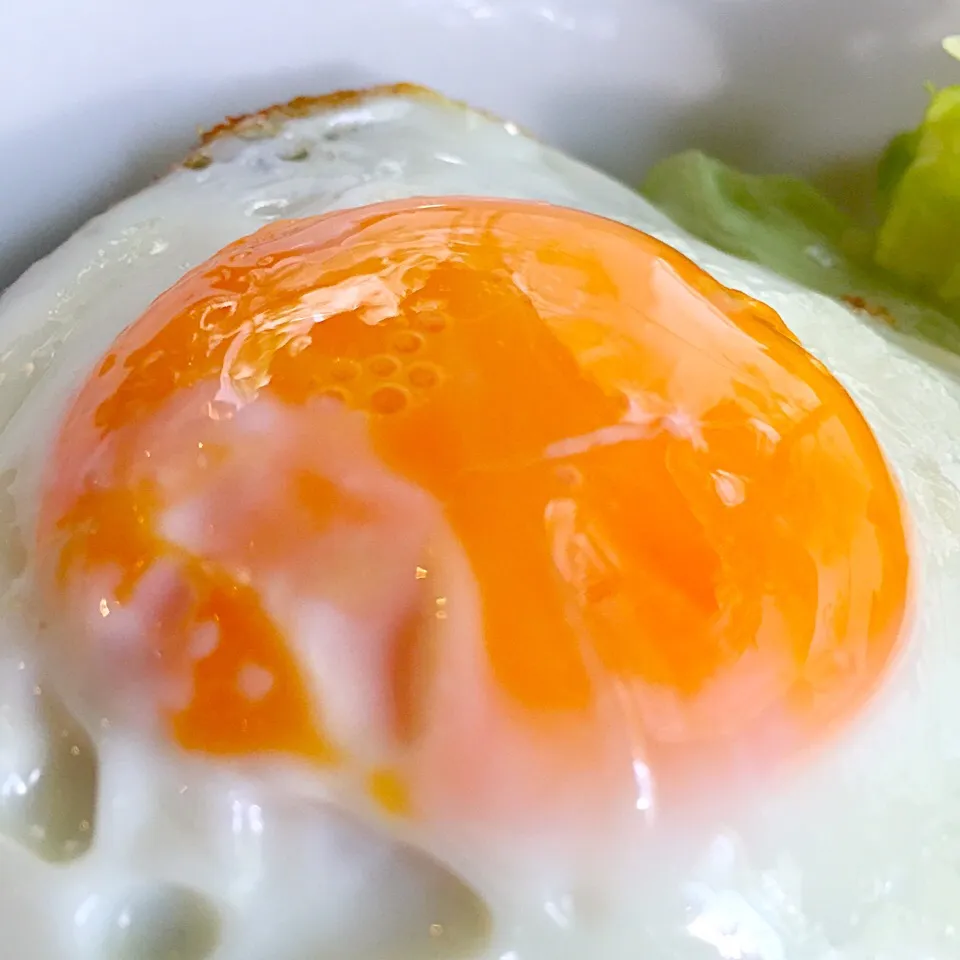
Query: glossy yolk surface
x,y
655,487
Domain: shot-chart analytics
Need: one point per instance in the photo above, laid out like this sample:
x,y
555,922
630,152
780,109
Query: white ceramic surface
x,y
95,97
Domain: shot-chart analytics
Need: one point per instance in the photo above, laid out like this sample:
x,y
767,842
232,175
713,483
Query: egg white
x,y
854,854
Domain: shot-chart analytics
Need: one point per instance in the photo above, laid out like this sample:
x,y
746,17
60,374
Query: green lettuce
x,y
780,222
906,271
919,239
894,163
786,225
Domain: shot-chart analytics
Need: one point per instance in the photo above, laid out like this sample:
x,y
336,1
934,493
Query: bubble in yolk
x,y
657,491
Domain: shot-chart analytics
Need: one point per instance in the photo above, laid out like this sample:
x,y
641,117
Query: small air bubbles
x,y
388,400
335,393
344,370
431,322
407,342
383,366
423,376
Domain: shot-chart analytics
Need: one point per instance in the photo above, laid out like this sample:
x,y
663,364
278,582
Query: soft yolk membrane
x,y
654,485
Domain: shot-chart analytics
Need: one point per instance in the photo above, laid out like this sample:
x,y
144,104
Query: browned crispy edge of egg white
x,y
268,122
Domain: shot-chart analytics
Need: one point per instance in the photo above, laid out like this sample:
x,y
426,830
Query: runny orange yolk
x,y
654,486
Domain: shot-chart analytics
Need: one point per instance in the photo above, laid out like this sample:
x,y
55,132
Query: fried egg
x,y
418,547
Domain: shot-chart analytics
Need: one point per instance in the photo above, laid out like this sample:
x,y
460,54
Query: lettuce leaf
x,y
787,226
919,239
907,271
778,221
894,162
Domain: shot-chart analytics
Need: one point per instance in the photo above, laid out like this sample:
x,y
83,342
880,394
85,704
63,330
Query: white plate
x,y
96,97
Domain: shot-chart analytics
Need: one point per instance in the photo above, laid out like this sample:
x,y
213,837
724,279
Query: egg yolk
x,y
658,495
